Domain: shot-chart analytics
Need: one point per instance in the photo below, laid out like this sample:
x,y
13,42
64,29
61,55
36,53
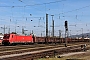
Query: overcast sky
x,y
18,13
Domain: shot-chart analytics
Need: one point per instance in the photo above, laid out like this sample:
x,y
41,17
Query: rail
x,y
43,53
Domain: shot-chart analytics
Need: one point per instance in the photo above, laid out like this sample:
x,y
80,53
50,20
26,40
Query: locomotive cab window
x,y
12,36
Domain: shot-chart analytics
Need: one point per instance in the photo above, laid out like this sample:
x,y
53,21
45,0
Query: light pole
x,y
52,26
16,28
42,33
15,25
53,29
82,34
9,27
70,33
22,29
9,30
46,39
59,35
4,28
49,33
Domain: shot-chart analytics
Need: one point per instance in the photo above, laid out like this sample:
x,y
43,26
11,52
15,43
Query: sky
x,y
31,15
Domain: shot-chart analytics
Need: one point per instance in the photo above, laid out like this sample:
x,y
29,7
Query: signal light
x,y
65,24
66,29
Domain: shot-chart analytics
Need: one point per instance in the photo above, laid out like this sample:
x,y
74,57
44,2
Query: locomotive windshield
x,y
6,36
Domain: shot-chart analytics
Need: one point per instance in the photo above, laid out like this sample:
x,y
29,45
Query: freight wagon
x,y
31,39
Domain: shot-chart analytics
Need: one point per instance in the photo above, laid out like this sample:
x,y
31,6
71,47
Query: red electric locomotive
x,y
15,38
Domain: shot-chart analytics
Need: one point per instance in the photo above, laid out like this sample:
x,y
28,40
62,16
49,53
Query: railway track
x,y
42,53
17,47
21,47
7,50
25,48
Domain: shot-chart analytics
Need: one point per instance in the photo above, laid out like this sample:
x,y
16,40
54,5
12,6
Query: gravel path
x,y
69,54
76,55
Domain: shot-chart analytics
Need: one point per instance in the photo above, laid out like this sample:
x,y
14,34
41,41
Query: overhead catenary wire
x,y
73,10
46,3
34,4
60,14
49,3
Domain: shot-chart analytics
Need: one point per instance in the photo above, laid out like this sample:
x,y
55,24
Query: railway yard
x,y
44,30
39,51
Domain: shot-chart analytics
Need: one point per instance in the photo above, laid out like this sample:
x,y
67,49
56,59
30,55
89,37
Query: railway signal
x,y
66,25
66,32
